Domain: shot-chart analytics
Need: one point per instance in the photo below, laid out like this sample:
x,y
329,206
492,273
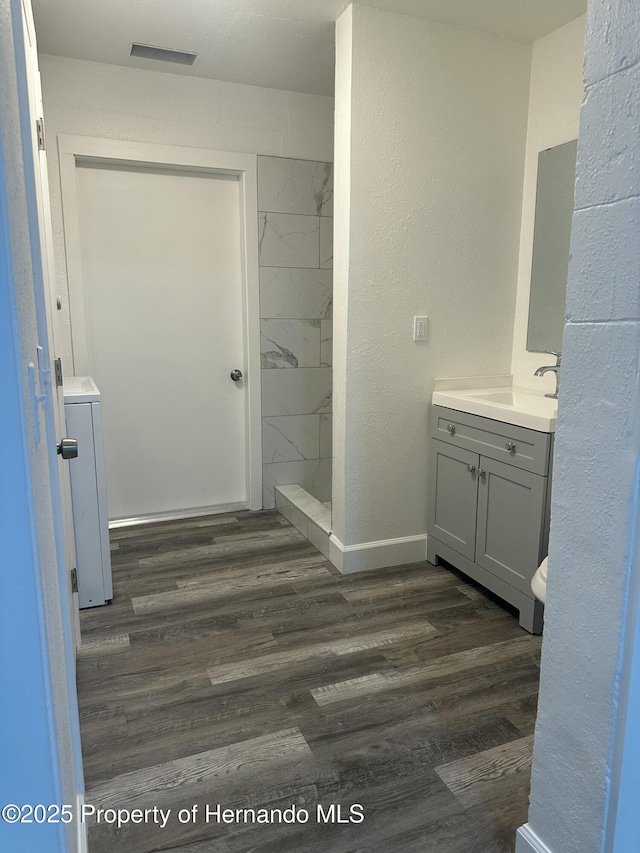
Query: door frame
x,y
71,150
43,206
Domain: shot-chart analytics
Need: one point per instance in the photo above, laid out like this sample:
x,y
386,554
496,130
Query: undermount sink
x,y
507,398
519,406
519,399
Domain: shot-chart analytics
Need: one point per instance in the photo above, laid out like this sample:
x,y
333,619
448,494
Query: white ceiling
x,y
282,44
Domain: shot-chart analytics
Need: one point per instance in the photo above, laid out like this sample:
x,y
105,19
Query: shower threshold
x,y
308,515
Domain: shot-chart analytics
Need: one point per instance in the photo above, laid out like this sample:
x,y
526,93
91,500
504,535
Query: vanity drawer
x,y
523,448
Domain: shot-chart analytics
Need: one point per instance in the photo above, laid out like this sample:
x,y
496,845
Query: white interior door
x,y
163,327
48,271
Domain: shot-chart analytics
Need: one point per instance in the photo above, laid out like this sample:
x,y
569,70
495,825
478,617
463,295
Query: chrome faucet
x,y
555,368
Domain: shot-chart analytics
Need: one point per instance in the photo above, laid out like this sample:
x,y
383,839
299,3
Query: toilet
x,y
539,581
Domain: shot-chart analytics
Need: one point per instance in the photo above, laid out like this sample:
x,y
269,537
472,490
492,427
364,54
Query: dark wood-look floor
x,y
237,667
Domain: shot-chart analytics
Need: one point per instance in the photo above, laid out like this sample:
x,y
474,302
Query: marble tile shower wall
x,y
295,212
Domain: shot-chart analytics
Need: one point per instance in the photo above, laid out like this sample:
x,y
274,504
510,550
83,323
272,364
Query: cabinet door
x,y
453,497
511,504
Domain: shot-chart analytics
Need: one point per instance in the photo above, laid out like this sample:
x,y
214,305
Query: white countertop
x,y
80,389
500,402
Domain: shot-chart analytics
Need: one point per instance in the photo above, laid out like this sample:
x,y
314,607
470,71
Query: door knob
x,y
236,375
68,448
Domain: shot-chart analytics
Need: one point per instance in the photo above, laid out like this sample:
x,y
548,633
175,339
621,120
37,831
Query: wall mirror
x,y
551,236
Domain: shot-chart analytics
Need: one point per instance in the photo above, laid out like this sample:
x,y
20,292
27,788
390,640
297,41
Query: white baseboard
x,y
176,515
377,555
528,842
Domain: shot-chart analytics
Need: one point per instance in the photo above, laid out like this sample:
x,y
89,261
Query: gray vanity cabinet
x,y
489,517
511,507
453,503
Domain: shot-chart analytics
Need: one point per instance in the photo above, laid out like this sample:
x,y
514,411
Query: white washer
x,y
88,491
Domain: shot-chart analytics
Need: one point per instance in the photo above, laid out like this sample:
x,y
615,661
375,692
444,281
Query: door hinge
x,y
74,580
40,133
57,366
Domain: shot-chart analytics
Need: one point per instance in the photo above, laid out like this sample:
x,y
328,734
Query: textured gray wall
x,y
596,455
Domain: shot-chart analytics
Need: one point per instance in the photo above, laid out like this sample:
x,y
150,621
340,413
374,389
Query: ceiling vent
x,y
163,54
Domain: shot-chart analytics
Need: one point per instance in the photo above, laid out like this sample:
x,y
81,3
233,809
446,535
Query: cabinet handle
x,y
451,429
511,447
471,469
481,472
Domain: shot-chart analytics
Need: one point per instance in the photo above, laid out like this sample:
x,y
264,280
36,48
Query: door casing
x,y
48,274
72,149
